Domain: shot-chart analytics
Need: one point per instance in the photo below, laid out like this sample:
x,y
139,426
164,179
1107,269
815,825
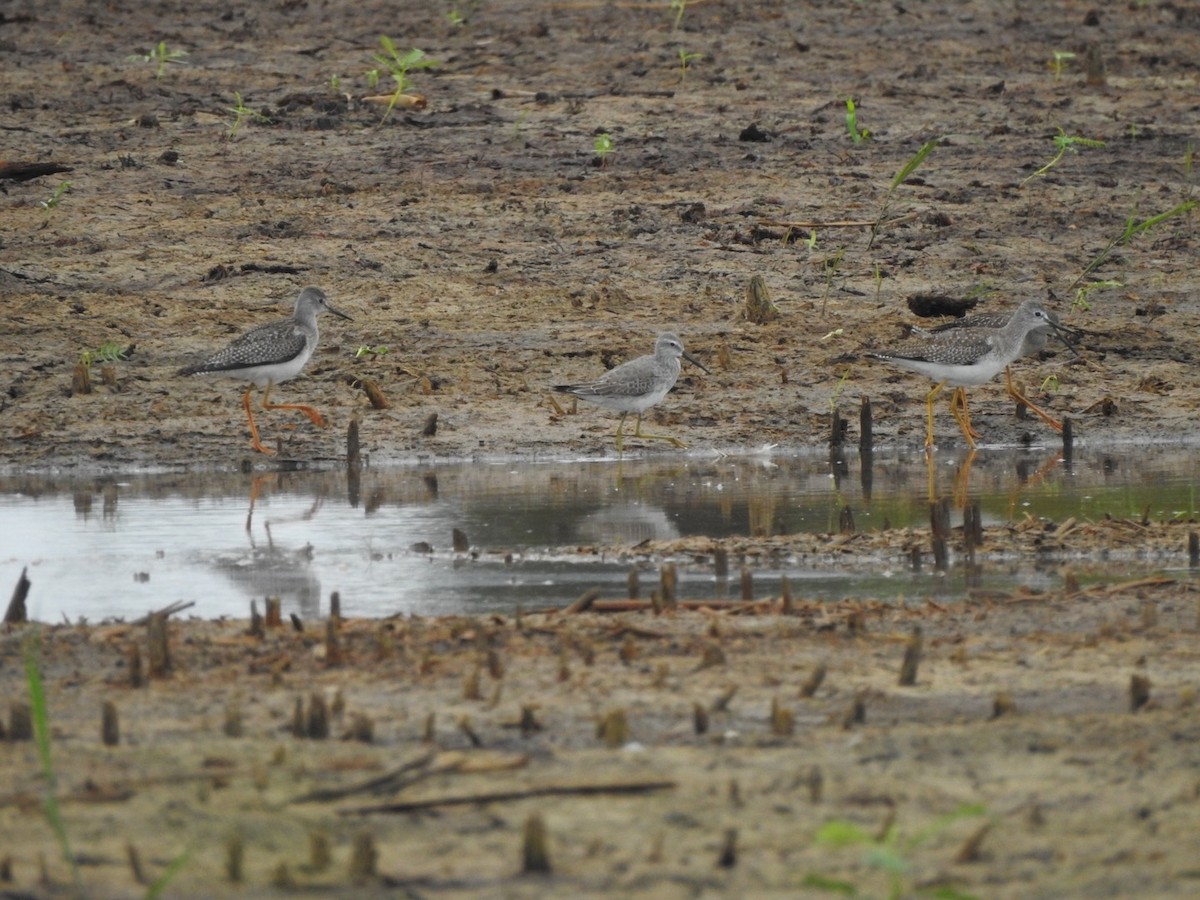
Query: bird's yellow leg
x,y
621,433
254,441
962,415
962,481
676,442
937,389
313,416
1021,398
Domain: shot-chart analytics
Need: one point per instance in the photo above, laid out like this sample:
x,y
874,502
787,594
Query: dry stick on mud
x,y
550,790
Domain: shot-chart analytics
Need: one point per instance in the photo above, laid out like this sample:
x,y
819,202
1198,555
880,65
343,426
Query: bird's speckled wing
x,y
960,346
632,379
273,343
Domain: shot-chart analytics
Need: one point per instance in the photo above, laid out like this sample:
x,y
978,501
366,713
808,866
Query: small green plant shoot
x,y
108,352
889,853
41,732
858,135
1063,143
240,114
365,350
161,56
56,195
678,7
1059,62
1132,229
898,179
398,65
685,61
603,147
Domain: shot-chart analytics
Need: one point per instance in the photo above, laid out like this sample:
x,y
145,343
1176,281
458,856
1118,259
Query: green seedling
x,y
685,60
1059,61
811,241
890,853
830,267
460,13
241,114
1082,295
372,78
335,82
1132,229
41,732
108,352
56,195
841,385
1050,384
898,179
678,7
1063,144
364,350
161,56
858,135
398,65
603,147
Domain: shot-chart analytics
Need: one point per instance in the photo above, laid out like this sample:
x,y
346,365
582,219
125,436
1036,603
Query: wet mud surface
x,y
478,241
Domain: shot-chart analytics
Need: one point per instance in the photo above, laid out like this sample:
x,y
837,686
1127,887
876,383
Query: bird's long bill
x,y
338,312
1065,333
695,362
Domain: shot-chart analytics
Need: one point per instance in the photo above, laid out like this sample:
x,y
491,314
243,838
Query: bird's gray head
x,y
669,345
312,300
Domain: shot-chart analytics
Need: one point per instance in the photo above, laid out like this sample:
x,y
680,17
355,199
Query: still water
x,y
119,546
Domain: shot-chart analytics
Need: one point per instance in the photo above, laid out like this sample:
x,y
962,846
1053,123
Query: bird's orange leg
x,y
1021,398
254,441
313,416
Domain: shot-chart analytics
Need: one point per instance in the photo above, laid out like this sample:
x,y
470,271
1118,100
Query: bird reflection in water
x,y
274,570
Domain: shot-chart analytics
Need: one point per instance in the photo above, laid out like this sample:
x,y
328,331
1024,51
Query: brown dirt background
x,y
479,243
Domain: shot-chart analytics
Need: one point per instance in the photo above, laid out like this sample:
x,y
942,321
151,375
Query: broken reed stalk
x,y
274,615
160,652
912,658
110,728
721,562
1068,439
668,579
535,854
837,429
363,858
747,584
16,611
866,428
631,583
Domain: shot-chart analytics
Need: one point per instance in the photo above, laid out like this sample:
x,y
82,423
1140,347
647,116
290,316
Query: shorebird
x,y
1035,340
272,353
637,385
966,357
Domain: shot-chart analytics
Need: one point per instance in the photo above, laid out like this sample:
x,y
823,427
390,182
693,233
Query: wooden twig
x,y
549,790
177,606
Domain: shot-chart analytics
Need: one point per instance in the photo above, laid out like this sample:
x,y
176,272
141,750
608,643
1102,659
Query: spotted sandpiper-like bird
x,y
637,385
272,353
1035,340
966,357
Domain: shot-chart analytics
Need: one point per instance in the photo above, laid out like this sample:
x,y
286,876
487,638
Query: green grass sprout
x,y
603,147
41,730
1063,144
900,177
678,7
398,65
241,114
685,61
1133,228
1059,62
161,56
858,135
56,195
